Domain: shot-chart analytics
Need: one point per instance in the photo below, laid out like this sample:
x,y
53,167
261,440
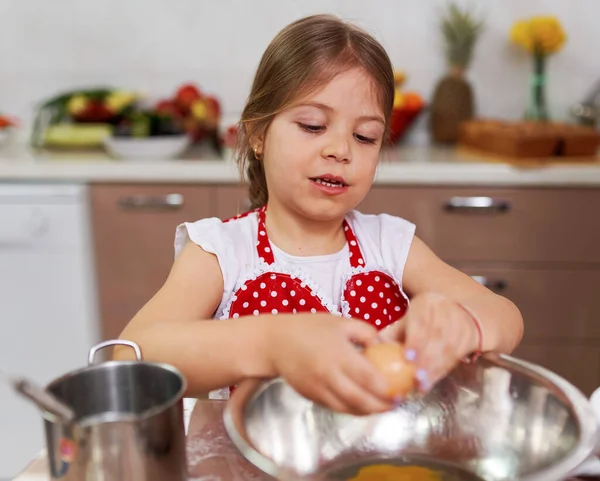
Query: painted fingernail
x,y
410,355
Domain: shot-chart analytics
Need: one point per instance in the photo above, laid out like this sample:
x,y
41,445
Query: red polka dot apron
x,y
370,295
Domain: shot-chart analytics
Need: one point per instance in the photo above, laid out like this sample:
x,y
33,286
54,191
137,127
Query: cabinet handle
x,y
477,204
495,285
160,202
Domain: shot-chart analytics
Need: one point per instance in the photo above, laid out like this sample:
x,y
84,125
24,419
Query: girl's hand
x,y
437,333
317,355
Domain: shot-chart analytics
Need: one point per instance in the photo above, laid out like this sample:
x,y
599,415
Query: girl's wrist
x,y
477,349
258,360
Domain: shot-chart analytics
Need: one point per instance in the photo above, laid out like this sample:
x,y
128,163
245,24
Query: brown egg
x,y
389,358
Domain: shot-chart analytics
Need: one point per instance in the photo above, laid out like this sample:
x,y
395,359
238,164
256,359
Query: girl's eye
x,y
314,129
365,140
311,128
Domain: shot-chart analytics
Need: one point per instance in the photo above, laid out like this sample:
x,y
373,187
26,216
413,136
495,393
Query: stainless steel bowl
x,y
498,419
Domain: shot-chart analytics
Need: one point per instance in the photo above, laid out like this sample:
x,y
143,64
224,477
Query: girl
x,y
304,278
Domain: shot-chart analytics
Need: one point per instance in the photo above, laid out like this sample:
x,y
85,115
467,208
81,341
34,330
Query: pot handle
x,y
114,342
595,403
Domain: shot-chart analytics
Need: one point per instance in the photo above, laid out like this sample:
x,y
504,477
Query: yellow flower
x,y
520,35
118,100
542,34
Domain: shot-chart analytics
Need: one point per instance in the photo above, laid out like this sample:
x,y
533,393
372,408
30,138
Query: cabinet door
x,y
556,303
134,229
484,224
577,363
231,200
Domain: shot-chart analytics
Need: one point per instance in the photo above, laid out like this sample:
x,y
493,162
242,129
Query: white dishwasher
x,y
48,315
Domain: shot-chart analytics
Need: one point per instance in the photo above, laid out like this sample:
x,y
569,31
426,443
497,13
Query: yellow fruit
x,y
77,104
399,100
399,373
399,77
117,101
76,135
199,110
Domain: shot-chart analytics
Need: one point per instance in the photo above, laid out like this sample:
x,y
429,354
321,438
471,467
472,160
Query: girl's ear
x,y
255,139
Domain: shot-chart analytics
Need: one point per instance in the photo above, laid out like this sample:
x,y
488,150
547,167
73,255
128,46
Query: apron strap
x,y
265,251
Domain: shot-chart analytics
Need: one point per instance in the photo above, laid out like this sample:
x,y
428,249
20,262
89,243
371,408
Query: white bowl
x,y
5,135
148,148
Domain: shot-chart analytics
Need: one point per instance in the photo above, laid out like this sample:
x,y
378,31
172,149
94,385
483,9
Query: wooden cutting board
x,y
471,154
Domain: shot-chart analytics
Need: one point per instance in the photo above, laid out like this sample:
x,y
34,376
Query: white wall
x,y
154,45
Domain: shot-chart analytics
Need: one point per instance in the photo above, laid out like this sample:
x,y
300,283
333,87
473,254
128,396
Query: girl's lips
x,y
329,189
332,178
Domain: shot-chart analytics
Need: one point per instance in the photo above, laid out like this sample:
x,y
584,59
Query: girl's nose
x,y
337,148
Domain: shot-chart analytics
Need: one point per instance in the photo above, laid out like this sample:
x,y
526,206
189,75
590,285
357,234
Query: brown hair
x,y
304,56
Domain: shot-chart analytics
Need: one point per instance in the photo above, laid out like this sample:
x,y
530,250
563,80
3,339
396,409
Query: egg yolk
x,y
399,373
384,472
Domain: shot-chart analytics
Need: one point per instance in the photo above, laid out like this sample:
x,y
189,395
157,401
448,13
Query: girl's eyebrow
x,y
327,108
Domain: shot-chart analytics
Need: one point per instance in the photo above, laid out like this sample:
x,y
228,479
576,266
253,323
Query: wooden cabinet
x,y
488,225
557,304
134,229
579,363
231,200
538,247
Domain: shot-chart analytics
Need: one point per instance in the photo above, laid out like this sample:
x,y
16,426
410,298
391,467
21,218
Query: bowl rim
x,y
588,424
150,139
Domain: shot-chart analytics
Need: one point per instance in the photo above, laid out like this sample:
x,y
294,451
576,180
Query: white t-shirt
x,y
384,240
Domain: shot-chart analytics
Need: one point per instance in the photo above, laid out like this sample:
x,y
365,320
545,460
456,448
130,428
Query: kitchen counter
x,y
404,165
211,455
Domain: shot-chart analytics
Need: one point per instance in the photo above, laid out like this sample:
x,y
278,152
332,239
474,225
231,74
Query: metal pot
x,y
498,419
128,423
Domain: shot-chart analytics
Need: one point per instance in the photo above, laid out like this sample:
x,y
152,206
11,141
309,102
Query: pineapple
x,y
453,100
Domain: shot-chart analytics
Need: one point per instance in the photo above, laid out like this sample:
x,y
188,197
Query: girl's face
x,y
320,154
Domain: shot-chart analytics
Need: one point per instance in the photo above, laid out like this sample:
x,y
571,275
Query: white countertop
x,y
399,166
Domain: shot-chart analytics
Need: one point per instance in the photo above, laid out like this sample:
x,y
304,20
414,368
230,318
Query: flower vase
x,y
537,109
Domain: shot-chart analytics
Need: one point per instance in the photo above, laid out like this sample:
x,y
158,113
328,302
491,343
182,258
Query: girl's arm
x,y
450,316
316,353
172,328
500,319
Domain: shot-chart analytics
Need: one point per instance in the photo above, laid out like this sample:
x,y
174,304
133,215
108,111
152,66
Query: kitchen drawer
x,y
530,225
579,364
231,200
555,303
134,230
